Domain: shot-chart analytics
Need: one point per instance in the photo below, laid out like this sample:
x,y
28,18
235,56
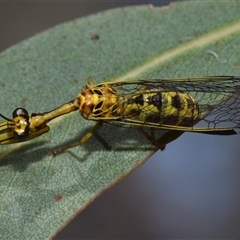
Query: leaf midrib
x,y
199,42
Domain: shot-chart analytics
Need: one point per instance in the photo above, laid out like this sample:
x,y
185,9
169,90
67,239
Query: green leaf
x,y
41,193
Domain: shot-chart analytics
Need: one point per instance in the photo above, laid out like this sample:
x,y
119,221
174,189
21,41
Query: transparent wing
x,y
218,99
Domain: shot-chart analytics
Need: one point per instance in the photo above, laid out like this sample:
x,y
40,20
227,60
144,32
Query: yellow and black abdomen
x,y
144,105
161,106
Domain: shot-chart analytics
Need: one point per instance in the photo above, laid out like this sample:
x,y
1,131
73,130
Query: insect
x,y
205,105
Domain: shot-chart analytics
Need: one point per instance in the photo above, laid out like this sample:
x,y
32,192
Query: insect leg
x,y
153,141
166,138
83,140
169,136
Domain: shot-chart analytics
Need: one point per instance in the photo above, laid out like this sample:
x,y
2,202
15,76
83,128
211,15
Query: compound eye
x,y
21,126
19,112
21,136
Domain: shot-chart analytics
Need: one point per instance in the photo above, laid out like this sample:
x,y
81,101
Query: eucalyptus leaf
x,y
41,193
